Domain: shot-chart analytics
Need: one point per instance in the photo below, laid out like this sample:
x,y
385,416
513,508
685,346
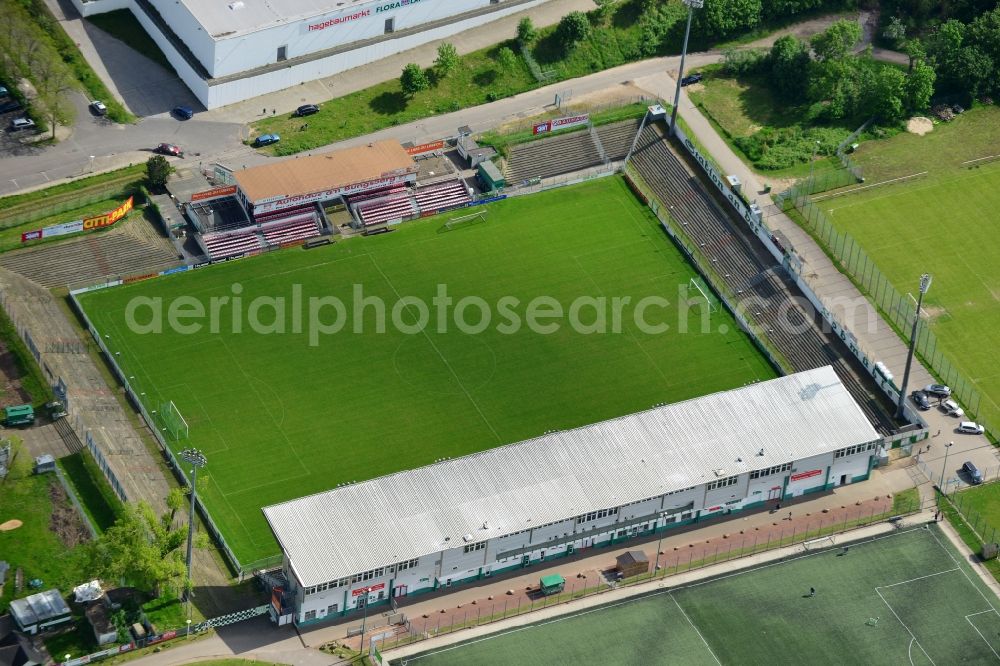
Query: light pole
x,y
691,5
365,591
656,565
812,162
197,459
944,467
925,284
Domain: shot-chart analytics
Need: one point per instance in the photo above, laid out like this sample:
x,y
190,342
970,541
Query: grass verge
x,y
30,375
92,489
123,26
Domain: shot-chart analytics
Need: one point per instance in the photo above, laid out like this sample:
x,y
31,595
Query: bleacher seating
x,y
552,156
617,138
283,213
442,195
375,194
748,270
228,245
380,211
299,227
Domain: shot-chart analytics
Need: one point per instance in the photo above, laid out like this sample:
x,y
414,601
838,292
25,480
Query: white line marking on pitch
x,y
707,646
900,620
973,625
913,580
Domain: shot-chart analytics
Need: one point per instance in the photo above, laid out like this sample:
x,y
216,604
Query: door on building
x,y
525,560
774,493
362,601
843,479
400,591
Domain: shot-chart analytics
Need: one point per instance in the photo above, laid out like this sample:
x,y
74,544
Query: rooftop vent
x,y
466,537
719,472
238,4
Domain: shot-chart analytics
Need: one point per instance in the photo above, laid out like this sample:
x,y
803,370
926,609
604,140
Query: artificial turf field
x,y
278,418
904,598
945,224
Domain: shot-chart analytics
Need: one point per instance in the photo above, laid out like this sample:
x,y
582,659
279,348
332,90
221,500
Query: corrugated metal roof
x,y
560,475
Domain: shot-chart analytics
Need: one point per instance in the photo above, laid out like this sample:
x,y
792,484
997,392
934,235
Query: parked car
x,y
306,110
951,408
22,123
98,107
266,140
972,472
3,91
10,105
939,390
970,428
183,112
168,149
691,78
957,108
920,400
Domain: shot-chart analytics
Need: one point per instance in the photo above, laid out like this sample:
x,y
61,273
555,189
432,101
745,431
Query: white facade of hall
x,y
565,492
231,50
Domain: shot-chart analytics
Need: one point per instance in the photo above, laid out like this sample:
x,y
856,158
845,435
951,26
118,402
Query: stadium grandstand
x,y
285,202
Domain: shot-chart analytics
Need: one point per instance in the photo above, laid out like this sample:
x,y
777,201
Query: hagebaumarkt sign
x,y
86,224
352,16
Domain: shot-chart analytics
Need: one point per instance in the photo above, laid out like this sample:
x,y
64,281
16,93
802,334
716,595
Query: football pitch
x,y
904,598
285,412
945,224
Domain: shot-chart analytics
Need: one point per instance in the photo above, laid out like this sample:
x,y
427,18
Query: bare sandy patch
x,y
10,525
919,125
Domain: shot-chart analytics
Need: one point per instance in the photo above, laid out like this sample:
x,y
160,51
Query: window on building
x,y
722,483
597,515
851,450
474,546
390,26
682,490
282,53
777,469
310,615
331,609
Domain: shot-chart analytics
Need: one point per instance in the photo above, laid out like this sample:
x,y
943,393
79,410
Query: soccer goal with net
x,y
699,291
173,424
479,217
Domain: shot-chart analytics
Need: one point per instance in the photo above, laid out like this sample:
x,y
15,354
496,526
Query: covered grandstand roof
x,y
564,474
326,171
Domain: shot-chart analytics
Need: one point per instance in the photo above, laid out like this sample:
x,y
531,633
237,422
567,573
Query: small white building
x,y
565,492
231,50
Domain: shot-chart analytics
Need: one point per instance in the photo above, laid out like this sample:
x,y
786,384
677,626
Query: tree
x,y
507,59
719,18
895,31
447,59
789,59
158,172
526,32
605,8
176,501
836,42
573,29
919,87
141,550
883,92
914,50
413,80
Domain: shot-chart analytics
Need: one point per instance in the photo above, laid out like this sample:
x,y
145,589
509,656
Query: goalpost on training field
x,y
698,285
174,424
479,217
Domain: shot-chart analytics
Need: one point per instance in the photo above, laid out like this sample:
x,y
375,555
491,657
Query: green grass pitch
x,y
905,598
945,224
279,419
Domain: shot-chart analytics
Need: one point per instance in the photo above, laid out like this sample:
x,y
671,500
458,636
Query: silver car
x,y
970,428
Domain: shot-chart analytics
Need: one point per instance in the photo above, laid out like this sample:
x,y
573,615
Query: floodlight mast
x,y
196,459
691,5
925,284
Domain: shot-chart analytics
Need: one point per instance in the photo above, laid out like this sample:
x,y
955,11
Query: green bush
x,y
774,148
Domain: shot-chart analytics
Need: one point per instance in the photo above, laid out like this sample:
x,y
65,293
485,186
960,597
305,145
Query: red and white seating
x,y
284,213
384,210
229,245
442,195
297,228
375,194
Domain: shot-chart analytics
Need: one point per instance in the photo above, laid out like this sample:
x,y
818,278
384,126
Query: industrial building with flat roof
x,y
231,50
563,492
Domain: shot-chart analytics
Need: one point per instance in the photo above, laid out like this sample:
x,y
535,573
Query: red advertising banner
x,y
361,590
215,192
425,147
806,475
108,219
31,235
541,128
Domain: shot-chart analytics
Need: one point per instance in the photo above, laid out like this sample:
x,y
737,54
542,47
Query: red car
x,y
168,149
